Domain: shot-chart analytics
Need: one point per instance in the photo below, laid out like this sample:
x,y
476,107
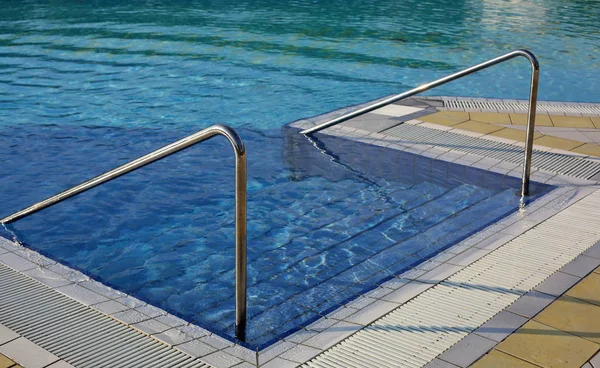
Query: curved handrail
x,y
535,72
240,201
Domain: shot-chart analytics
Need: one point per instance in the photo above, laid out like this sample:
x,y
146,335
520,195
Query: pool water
x,y
263,63
321,231
85,86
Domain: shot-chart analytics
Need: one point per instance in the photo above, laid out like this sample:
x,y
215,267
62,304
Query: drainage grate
x,y
553,162
77,334
420,330
522,107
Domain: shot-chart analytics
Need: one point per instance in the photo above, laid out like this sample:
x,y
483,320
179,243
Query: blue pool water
x,y
85,86
320,232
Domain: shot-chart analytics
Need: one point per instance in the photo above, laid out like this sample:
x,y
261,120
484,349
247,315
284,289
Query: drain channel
x,y
553,162
77,334
522,107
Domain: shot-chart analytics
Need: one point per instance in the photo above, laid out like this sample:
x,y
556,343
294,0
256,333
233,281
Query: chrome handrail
x,y
535,72
240,202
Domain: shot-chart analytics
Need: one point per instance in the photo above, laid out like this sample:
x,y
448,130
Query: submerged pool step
x,y
77,334
371,254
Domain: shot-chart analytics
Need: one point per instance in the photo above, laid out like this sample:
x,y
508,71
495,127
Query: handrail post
x,y
533,92
240,246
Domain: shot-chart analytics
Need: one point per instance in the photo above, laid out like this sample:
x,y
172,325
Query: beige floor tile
x,y
587,289
490,117
458,114
448,118
573,316
514,134
555,142
498,359
548,347
540,119
475,126
596,122
572,121
5,362
589,149
597,270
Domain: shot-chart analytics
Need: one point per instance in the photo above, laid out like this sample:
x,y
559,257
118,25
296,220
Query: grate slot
x,y
542,107
78,334
548,161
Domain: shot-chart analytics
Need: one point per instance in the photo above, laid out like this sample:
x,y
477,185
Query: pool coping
x,y
310,341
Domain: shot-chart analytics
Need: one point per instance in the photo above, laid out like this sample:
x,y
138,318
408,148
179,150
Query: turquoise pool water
x,y
264,63
85,86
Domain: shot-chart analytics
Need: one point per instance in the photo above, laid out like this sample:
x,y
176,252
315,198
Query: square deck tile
x,y
447,118
371,123
396,110
587,290
475,126
513,134
581,266
468,350
557,284
28,354
6,334
594,251
531,304
572,121
540,119
300,354
5,362
501,326
588,149
438,363
60,364
573,316
595,361
490,117
498,359
548,347
560,143
572,134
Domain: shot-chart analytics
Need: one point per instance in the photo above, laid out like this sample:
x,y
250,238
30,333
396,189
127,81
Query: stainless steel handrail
x,y
240,202
535,72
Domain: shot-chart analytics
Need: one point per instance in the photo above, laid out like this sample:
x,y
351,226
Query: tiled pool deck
x,y
7,363
574,141
565,333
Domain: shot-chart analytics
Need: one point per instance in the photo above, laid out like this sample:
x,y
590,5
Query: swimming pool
x,y
320,232
85,87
